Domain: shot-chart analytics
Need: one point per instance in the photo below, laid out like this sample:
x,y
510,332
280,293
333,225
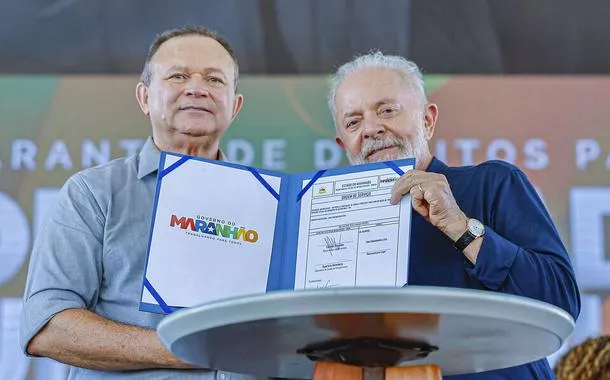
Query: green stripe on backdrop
x,y
24,100
434,82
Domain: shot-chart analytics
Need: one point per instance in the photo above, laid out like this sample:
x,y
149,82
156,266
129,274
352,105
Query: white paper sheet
x,y
350,235
189,266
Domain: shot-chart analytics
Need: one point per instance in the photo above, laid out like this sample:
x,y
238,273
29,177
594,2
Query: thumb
x,y
421,206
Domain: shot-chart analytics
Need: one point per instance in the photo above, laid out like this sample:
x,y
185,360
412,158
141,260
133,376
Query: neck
x,y
199,146
425,162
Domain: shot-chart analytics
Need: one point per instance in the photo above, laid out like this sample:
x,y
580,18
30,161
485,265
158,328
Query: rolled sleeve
x,y
65,267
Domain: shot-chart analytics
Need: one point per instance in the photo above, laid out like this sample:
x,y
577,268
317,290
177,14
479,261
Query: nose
x,y
197,88
372,128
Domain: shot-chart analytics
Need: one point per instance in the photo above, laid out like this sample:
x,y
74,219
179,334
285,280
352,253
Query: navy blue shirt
x,y
521,253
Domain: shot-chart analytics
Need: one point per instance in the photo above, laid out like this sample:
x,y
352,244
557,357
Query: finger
x,y
397,193
405,183
413,177
419,204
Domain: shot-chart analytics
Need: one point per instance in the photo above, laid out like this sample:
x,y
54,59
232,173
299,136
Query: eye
x,y
387,111
216,80
351,124
178,76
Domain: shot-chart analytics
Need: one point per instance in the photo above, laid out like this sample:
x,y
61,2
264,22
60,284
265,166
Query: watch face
x,y
476,228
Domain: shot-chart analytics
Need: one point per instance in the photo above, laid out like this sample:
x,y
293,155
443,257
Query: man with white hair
x,y
478,227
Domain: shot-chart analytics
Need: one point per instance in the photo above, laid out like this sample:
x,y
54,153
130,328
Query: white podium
x,y
284,334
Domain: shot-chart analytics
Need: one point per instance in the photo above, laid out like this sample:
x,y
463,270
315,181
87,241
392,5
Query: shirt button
x,y
222,376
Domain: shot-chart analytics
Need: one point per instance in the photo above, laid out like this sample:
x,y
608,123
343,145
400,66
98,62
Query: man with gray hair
x,y
478,227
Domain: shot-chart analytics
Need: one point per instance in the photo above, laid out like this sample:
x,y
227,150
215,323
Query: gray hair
x,y
408,69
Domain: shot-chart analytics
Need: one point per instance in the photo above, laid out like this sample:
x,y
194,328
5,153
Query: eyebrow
x,y
385,101
350,114
377,105
207,70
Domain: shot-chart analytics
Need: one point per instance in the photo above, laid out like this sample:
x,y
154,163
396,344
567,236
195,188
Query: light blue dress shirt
x,y
90,254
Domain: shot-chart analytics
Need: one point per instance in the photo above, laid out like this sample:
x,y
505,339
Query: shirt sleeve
x,y
522,252
65,269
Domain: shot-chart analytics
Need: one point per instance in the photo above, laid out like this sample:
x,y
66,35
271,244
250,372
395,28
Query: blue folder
x,y
284,254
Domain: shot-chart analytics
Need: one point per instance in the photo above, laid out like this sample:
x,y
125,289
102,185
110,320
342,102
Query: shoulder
x,y
104,175
97,184
490,186
489,177
493,170
492,166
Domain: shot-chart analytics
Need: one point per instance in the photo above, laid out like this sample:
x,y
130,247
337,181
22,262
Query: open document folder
x,y
222,230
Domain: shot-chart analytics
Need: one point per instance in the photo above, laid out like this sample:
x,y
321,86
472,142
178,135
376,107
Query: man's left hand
x,y
432,198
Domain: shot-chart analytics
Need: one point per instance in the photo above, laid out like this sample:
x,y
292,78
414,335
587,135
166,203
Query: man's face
x,y
192,90
379,117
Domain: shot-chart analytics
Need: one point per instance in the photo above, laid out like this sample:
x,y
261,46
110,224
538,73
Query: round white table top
x,y
473,330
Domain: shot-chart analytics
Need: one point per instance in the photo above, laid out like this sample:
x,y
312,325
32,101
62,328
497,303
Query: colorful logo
x,y
214,227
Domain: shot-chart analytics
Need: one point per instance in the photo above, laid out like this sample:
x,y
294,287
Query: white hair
x,y
408,69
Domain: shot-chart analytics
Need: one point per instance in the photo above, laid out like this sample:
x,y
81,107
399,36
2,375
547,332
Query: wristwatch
x,y
475,229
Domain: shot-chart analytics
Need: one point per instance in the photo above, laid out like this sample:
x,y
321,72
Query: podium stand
x,y
415,332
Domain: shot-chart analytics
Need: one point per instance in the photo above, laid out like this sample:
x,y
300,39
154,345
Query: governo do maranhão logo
x,y
213,227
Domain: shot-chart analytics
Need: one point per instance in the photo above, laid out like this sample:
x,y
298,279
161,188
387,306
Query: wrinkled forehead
x,y
367,88
194,53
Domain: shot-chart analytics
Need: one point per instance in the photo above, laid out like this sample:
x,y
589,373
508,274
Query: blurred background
x,y
527,82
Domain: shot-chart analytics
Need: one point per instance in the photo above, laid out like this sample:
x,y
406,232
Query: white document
x,y
350,235
225,210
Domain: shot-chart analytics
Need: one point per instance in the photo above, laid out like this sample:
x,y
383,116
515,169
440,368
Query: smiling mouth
x,y
195,109
380,152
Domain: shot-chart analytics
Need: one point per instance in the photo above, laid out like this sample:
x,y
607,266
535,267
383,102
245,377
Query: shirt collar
x,y
148,158
436,166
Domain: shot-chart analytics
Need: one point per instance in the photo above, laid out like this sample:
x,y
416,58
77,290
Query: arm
x,y
521,252
84,339
64,282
